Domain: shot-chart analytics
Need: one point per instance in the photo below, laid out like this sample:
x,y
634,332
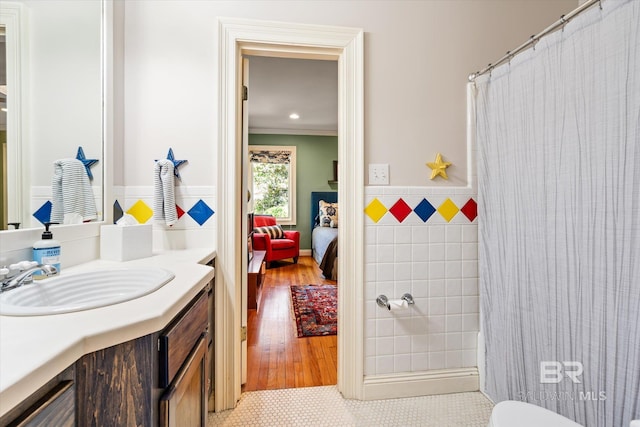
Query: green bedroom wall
x,y
314,167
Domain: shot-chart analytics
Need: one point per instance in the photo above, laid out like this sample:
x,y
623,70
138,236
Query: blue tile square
x,y
424,210
43,214
200,212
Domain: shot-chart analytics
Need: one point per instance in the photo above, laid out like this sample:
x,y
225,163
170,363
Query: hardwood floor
x,y
276,357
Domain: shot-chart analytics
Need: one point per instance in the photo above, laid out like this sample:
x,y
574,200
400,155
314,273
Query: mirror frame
x,y
13,17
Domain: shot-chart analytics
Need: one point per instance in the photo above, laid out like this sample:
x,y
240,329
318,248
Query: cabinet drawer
x,y
178,339
56,408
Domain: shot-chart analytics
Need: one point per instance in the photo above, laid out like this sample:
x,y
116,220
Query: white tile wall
x,y
437,262
41,194
186,233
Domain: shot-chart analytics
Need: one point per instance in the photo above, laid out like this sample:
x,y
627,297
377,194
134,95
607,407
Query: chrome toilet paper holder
x,y
383,301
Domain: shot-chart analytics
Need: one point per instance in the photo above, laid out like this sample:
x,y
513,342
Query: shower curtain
x,y
558,136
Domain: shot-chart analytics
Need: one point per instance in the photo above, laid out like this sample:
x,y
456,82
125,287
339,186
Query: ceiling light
x,y
294,116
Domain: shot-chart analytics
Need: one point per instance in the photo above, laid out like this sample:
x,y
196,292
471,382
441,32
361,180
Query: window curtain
x,y
273,157
558,136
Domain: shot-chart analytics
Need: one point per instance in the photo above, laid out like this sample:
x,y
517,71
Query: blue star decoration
x,y
176,163
86,162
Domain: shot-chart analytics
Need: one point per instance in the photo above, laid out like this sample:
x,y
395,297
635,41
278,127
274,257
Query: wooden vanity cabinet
x,y
125,385
160,379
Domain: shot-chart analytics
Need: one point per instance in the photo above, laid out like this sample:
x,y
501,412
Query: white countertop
x,y
35,349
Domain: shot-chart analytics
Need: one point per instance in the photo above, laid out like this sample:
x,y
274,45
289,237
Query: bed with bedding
x,y
324,234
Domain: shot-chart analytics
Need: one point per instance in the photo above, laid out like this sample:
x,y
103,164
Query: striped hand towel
x,y
71,191
164,201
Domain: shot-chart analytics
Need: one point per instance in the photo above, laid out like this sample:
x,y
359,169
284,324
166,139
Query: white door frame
x,y
241,36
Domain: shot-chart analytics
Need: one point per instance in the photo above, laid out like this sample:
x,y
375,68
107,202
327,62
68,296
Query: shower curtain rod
x,y
564,19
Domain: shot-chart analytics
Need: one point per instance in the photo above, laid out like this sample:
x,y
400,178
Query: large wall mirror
x,y
51,96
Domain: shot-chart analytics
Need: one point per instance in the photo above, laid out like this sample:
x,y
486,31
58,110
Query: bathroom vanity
x,y
143,362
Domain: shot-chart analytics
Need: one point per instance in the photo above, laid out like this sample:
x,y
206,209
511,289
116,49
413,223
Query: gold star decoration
x,y
439,167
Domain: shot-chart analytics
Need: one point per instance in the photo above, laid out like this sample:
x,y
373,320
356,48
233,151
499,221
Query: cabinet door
x,y
185,401
56,408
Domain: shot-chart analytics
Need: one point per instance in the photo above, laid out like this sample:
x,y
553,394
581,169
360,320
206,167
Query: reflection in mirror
x,y
52,86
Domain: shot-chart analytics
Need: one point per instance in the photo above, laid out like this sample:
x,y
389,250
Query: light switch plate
x,y
379,174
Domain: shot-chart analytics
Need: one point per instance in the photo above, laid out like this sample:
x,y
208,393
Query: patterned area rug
x,y
316,309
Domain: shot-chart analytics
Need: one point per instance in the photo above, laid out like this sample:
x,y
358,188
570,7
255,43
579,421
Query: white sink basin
x,y
82,291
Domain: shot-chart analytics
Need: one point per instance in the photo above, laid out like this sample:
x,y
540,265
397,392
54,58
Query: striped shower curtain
x,y
558,135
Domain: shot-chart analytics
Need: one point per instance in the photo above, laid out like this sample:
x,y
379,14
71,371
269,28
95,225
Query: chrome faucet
x,y
26,276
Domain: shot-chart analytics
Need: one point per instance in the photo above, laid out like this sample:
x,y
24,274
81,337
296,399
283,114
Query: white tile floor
x,y
324,406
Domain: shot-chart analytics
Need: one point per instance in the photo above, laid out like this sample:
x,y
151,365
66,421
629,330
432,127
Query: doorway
x,y
292,109
247,37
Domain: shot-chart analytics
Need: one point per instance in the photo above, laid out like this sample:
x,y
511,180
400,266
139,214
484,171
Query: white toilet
x,y
511,413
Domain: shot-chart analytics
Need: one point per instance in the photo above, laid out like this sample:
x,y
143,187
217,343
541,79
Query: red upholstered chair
x,y
277,249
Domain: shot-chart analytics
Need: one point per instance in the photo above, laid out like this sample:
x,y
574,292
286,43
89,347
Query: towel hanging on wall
x,y
164,201
71,192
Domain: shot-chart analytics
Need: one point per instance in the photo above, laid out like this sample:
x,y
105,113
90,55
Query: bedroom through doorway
x,y
292,107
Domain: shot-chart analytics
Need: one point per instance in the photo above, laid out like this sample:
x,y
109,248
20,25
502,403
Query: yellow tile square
x,y
375,210
140,211
448,210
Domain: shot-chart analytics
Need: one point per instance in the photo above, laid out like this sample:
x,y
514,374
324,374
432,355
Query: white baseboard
x,y
305,252
420,383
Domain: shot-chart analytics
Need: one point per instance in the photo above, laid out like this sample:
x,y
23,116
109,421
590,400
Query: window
x,y
272,182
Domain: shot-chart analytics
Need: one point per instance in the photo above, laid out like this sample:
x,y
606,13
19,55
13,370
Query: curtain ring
x,y
509,56
564,22
533,42
600,4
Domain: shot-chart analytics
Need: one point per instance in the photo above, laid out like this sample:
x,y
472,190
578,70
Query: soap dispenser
x,y
47,250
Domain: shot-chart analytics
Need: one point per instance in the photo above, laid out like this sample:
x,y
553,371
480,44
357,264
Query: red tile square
x,y
400,210
470,210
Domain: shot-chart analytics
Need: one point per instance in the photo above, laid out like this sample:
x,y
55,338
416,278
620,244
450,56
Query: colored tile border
x,y
424,210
